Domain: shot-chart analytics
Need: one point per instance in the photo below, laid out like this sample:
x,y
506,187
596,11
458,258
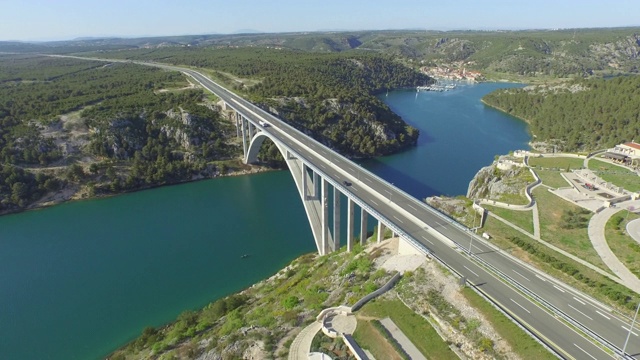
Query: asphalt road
x,y
418,221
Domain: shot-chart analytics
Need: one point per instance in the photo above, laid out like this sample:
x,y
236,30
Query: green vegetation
x,y
565,164
583,114
565,226
330,96
369,337
414,326
616,175
521,343
623,246
522,219
18,188
116,118
552,178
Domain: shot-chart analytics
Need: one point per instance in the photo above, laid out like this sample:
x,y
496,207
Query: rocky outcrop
x,y
493,183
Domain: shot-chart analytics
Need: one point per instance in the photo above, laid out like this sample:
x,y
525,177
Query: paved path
x,y
633,229
402,339
300,346
536,221
596,235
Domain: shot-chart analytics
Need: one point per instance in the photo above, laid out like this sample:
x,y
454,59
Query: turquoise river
x,y
79,279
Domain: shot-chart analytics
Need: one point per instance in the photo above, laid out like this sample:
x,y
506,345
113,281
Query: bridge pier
x,y
381,229
350,208
238,123
324,188
336,219
363,226
244,136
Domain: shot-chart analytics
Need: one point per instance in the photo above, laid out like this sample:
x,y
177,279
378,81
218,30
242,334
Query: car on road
x,y
346,183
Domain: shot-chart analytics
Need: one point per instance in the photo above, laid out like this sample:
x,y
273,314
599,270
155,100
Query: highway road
x,y
421,223
484,266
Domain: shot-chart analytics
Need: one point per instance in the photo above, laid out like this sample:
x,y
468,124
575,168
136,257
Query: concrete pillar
x,y
304,181
363,226
325,216
238,132
381,229
336,219
350,207
316,195
244,135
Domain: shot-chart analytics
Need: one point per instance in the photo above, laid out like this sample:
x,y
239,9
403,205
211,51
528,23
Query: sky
x,y
45,20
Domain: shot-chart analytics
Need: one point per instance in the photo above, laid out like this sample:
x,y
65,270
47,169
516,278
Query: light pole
x,y
624,348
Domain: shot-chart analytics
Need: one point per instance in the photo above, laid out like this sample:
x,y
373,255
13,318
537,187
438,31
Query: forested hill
x,y
330,96
582,114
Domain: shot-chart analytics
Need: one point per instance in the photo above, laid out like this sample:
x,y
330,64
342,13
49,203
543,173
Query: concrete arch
x,y
256,143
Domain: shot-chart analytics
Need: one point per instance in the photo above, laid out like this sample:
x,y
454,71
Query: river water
x,y
79,279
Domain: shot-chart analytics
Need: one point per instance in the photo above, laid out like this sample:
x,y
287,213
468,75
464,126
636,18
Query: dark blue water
x,y
458,136
80,279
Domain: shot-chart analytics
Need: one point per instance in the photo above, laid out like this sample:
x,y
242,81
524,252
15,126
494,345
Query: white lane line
x,y
353,188
578,300
427,240
584,351
585,315
471,271
603,315
627,329
558,288
539,277
373,201
413,207
521,275
350,168
367,179
523,308
324,167
398,219
439,224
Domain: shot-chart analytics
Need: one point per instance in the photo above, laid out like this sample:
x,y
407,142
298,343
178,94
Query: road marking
x,y
627,329
578,300
591,356
324,167
471,271
427,240
398,219
603,315
521,275
354,189
587,316
558,288
523,308
439,224
373,201
413,207
367,179
539,277
352,169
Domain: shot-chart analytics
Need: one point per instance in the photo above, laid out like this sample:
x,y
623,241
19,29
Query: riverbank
x,y
75,192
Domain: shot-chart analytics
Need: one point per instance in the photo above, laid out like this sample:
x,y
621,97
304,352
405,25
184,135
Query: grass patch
x,y
552,211
521,343
623,246
558,163
552,178
522,219
368,337
414,326
617,175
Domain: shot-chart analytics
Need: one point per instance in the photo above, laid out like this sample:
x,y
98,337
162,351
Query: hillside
x,y
529,53
581,115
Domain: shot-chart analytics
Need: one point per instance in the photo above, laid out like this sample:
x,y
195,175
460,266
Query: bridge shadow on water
x,y
400,179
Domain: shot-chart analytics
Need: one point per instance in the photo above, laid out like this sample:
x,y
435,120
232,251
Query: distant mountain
x,y
248,31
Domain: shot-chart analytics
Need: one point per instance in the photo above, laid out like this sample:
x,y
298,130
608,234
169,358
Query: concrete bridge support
x,y
381,229
350,208
363,226
336,219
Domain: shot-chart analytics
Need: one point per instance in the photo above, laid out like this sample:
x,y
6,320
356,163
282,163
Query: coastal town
x,y
456,72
